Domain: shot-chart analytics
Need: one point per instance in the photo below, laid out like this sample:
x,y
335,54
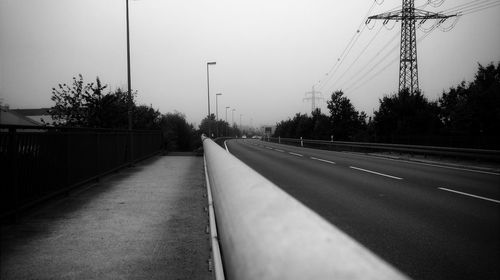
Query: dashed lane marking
x,y
376,173
295,154
323,160
471,195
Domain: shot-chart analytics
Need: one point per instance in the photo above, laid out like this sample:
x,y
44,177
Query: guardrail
x,y
491,155
39,162
265,233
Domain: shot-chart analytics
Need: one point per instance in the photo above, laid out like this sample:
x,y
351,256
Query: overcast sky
x,y
268,52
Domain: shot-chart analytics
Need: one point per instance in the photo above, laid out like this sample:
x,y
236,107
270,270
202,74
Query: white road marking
x,y
269,148
471,195
278,150
226,146
376,173
437,165
295,154
323,160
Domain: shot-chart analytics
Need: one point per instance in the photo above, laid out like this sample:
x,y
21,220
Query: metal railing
x,y
39,162
479,154
264,233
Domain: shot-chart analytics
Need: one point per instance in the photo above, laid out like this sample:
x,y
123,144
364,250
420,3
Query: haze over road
x,y
428,221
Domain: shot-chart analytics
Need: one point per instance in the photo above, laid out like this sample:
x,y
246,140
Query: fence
x,y
39,162
265,233
475,154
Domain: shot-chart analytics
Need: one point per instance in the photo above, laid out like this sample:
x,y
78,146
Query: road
x,y
429,221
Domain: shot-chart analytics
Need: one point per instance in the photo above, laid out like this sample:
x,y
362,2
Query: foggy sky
x,y
268,52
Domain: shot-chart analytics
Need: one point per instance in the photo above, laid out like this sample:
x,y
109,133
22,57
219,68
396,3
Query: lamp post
x,y
217,113
232,118
208,93
129,89
227,107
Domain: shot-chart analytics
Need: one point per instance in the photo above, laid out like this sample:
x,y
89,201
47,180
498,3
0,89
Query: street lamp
x,y
129,88
217,113
227,107
208,93
233,117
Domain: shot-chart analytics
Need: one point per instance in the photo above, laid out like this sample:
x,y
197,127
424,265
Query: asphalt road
x,y
429,221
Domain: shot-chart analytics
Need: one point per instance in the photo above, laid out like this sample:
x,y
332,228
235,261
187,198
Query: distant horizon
x,y
268,54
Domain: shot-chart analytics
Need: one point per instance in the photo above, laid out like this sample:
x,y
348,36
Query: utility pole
x,y
217,113
314,95
129,91
227,107
408,70
233,116
208,94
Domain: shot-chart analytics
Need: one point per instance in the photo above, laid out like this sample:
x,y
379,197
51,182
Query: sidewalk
x,y
143,222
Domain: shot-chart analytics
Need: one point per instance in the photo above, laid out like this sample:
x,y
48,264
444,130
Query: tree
x,y
407,118
78,104
178,135
346,122
146,117
87,105
471,113
299,126
321,129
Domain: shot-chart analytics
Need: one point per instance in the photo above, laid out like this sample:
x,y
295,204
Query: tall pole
x,y
233,116
208,94
227,107
129,87
217,112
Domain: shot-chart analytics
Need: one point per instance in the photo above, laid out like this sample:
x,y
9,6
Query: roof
x,y
11,117
32,112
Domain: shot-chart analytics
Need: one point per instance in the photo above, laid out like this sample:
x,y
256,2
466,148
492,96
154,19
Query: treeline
x,y
467,115
91,105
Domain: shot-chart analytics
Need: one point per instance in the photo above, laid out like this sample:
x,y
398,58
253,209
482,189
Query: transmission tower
x,y
313,96
408,15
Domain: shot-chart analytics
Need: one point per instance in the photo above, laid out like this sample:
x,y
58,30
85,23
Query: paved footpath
x,y
145,222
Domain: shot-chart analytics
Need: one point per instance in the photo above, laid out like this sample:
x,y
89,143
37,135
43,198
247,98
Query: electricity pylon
x,y
314,95
408,70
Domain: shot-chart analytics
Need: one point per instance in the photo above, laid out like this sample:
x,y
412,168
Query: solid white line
x,y
323,160
436,165
377,173
225,145
278,150
295,154
471,195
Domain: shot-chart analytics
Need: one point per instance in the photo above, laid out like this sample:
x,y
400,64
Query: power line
x,y
360,54
370,70
366,80
466,5
478,9
384,48
348,47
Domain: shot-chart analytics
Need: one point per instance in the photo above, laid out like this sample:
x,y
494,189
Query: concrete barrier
x,y
265,233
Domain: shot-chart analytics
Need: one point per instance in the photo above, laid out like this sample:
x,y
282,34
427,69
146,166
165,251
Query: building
x,y
12,117
41,116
